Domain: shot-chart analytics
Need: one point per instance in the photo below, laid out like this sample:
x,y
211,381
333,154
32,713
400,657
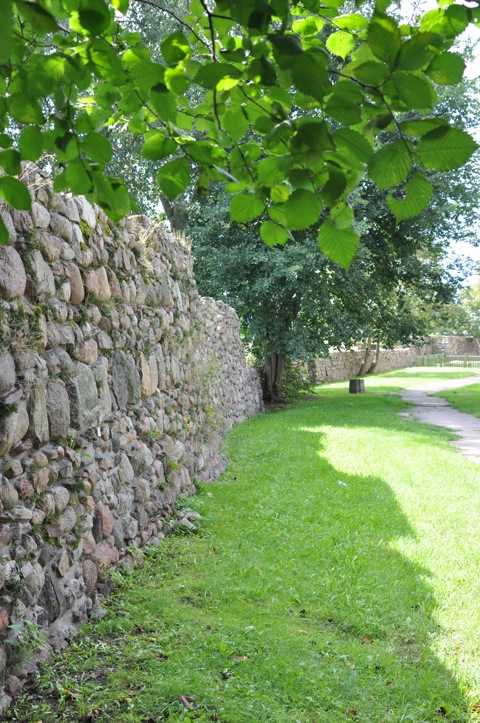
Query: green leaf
x,y
342,216
418,128
174,177
281,132
354,21
307,27
335,185
164,104
246,207
120,5
416,93
111,195
341,43
210,75
280,193
445,148
25,110
157,147
94,16
4,237
206,153
272,233
10,161
344,104
390,165
313,134
78,178
446,69
340,245
15,193
7,28
418,192
39,19
371,72
175,47
384,39
285,47
139,66
310,74
354,144
271,171
415,53
98,148
450,22
5,141
235,123
302,209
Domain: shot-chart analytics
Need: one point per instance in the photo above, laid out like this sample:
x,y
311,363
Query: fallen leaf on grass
x,y
367,640
189,702
476,707
160,656
352,711
213,551
93,713
304,632
239,658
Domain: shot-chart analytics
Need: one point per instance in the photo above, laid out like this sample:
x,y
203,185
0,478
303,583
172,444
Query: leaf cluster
x,y
258,95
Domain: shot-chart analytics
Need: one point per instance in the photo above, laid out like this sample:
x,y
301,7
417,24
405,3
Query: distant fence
x,y
448,360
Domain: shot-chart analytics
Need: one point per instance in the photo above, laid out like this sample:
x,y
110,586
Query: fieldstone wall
x,y
457,345
117,382
342,365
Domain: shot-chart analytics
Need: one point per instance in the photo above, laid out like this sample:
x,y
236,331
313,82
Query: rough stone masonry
x,y
117,382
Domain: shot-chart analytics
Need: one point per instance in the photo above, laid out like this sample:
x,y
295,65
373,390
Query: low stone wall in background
x,y
458,345
117,383
342,365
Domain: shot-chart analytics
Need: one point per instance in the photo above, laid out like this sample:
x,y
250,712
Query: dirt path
x,y
437,411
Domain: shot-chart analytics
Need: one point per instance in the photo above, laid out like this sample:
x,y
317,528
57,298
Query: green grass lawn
x,y
335,578
466,399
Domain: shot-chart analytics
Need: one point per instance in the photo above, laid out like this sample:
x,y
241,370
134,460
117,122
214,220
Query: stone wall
x,y
457,345
342,365
117,382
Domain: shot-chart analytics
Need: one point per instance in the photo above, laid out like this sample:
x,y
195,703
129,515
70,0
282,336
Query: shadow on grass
x,y
342,622
297,606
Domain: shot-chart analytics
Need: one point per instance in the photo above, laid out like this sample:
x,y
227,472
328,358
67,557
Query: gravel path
x,y
437,411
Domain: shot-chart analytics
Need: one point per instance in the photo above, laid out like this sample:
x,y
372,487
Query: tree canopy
x,y
294,303
281,100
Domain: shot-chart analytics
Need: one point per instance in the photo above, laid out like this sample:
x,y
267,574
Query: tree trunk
x,y
366,358
273,377
375,361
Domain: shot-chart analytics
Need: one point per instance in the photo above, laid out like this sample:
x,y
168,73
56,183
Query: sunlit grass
x,y
466,399
336,578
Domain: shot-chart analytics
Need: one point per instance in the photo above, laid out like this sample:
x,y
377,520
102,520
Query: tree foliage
x,y
281,100
462,316
294,303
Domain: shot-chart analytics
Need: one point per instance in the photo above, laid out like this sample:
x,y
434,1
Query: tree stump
x,y
357,386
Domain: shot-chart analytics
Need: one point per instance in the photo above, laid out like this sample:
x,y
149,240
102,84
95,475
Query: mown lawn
x,y
466,399
335,578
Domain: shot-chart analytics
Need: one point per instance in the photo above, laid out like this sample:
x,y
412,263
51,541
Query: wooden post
x,y
357,386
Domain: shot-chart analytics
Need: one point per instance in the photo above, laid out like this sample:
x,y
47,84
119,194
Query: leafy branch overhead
x,y
292,97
